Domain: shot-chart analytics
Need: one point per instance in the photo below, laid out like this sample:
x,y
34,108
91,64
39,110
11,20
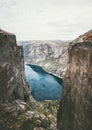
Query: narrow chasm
x,y
31,84
46,91
44,80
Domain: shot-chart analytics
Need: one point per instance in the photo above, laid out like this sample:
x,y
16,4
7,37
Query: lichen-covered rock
x,y
19,115
75,111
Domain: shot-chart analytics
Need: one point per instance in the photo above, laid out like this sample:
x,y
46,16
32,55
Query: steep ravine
x,y
75,112
18,109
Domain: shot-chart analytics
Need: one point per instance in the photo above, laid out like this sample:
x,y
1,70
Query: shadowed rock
x,y
11,68
75,111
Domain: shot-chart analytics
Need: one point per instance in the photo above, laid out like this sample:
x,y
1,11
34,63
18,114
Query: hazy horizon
x,y
46,19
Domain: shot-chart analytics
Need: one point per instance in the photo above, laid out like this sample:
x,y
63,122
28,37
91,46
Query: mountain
x,y
51,55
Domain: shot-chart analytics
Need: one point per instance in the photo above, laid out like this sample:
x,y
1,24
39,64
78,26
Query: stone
x,y
40,128
11,68
75,112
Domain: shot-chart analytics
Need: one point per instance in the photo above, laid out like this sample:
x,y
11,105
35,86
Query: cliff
x,y
51,55
75,112
11,68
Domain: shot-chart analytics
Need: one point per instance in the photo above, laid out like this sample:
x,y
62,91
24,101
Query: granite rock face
x,y
11,68
75,112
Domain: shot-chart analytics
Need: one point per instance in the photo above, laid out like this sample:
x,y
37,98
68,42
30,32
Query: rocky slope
x,y
51,55
75,111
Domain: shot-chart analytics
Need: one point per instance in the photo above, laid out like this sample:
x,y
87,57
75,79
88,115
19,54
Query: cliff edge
x,y
75,112
11,68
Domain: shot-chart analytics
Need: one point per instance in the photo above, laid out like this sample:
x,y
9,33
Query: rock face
x,y
51,55
11,68
75,111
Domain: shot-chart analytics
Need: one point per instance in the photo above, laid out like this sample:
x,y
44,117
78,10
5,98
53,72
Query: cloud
x,y
46,19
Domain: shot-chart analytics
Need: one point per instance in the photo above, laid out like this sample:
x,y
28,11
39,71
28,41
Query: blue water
x,y
44,86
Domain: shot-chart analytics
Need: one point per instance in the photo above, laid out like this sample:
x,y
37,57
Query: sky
x,y
46,19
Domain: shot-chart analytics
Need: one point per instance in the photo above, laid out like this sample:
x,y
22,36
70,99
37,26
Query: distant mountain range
x,y
52,55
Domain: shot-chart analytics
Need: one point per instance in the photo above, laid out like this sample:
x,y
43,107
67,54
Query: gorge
x,y
75,108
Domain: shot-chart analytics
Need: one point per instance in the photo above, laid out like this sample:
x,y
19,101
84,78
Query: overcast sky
x,y
46,19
